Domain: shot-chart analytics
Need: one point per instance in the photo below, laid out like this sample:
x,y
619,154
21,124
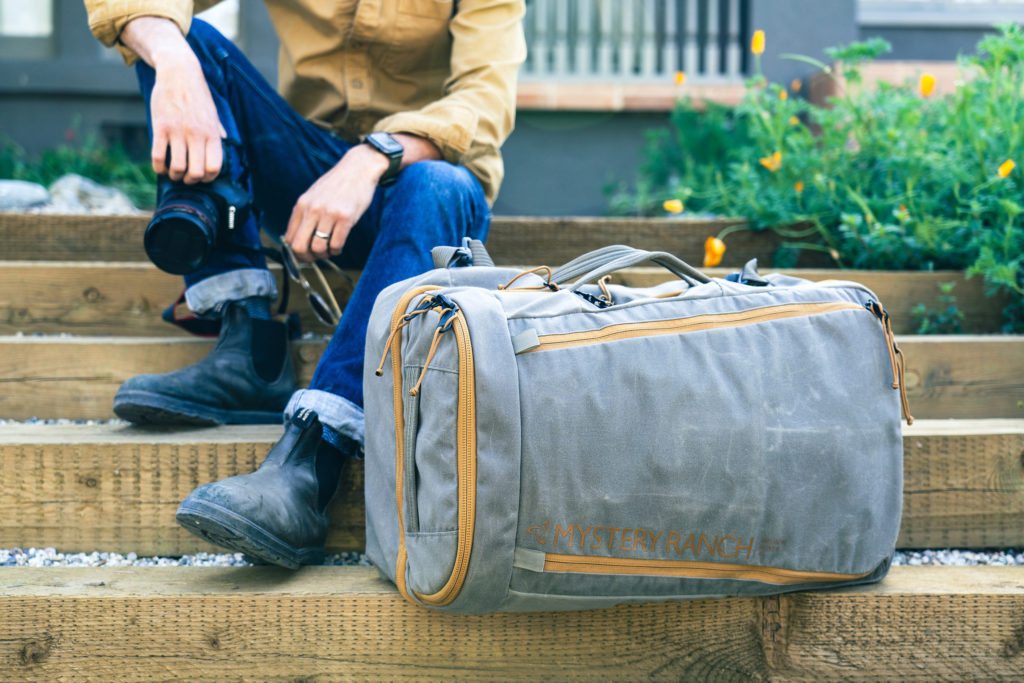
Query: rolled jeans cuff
x,y
339,415
213,292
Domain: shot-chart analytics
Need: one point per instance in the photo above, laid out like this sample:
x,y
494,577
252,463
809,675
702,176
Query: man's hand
x,y
184,117
333,204
337,200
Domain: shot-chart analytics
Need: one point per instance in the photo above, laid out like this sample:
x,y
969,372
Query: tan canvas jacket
x,y
441,69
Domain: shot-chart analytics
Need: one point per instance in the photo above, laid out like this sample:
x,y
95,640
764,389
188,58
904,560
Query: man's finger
x,y
214,159
303,236
295,220
158,153
196,161
179,159
321,242
338,238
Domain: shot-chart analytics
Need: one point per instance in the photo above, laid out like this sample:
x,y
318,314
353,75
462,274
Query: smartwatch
x,y
392,149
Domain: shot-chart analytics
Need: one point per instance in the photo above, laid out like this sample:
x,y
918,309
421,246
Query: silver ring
x,y
322,235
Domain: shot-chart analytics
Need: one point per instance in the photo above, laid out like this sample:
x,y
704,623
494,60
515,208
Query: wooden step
x,y
958,376
118,298
85,488
334,623
512,240
113,298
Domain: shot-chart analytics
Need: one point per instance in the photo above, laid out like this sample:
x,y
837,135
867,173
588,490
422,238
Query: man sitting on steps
x,y
383,143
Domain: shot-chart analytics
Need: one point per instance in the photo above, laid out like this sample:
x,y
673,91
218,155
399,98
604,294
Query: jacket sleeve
x,y
107,18
477,112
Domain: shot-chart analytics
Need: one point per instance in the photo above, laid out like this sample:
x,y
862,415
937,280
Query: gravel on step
x,y
49,557
960,558
64,421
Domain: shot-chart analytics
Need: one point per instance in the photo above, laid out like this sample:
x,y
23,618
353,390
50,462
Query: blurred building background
x,y
599,73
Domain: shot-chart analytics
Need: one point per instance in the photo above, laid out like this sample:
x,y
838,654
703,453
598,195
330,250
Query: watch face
x,y
385,143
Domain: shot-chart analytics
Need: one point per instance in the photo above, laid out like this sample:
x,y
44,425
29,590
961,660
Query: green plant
x,y
889,177
946,319
107,165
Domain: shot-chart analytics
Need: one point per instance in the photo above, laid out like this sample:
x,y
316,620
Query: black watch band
x,y
387,145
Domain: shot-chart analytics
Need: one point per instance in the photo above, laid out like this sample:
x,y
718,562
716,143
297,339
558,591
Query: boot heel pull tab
x,y
304,418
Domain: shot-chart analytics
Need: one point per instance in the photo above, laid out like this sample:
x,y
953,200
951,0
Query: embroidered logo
x,y
539,532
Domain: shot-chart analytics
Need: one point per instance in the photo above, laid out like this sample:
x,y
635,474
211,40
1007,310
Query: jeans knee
x,y
439,181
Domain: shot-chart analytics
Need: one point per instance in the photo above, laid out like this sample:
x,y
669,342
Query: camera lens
x,y
181,234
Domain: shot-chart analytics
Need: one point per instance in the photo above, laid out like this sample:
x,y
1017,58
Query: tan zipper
x,y
692,324
465,446
394,344
582,564
466,464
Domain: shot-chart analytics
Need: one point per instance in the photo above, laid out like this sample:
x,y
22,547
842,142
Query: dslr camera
x,y
191,219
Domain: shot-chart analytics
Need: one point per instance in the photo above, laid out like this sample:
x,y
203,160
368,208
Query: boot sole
x,y
147,408
222,527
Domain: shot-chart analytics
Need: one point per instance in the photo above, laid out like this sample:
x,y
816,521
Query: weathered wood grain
x,y
104,298
114,298
84,488
343,623
959,376
512,240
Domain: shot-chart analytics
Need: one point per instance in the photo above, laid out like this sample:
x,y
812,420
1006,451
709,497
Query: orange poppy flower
x,y
714,248
772,163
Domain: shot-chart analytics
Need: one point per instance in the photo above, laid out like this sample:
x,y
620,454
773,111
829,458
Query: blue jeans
x,y
278,155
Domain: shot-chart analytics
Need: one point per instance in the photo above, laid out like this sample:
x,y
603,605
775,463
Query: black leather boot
x,y
246,379
278,513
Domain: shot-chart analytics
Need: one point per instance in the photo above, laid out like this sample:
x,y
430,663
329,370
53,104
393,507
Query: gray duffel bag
x,y
536,445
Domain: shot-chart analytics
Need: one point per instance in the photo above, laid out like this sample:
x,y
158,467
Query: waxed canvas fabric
x,y
692,439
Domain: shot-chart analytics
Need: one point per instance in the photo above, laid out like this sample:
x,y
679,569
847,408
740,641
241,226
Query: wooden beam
x,y
112,298
85,488
103,298
963,484
959,376
338,623
512,240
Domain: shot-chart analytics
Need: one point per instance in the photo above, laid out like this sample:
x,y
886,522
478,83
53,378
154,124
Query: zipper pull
x,y
896,359
420,309
447,310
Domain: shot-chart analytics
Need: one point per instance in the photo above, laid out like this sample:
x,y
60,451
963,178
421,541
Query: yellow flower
x,y
1006,168
680,78
673,205
772,163
713,250
799,186
794,121
796,84
926,85
757,42
783,95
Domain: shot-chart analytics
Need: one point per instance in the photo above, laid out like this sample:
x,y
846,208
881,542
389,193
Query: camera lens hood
x,y
179,239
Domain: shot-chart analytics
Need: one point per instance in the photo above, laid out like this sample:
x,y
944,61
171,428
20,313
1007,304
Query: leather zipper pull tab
x,y
897,361
422,308
447,309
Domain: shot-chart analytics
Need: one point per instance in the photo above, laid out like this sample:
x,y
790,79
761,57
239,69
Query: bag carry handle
x,y
471,253
610,259
588,262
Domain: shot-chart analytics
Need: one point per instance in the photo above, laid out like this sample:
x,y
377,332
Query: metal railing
x,y
636,40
